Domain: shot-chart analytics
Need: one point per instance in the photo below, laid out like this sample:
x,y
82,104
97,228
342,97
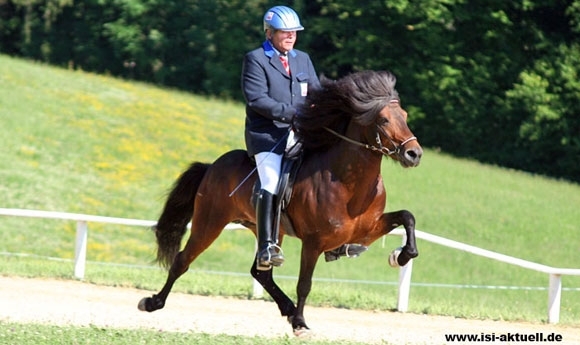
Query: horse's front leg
x,y
307,265
401,256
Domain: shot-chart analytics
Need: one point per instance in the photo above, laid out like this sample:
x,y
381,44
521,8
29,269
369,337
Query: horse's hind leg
x,y
157,301
197,243
401,256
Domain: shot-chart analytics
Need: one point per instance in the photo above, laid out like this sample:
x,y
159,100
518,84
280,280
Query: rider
x,y
275,81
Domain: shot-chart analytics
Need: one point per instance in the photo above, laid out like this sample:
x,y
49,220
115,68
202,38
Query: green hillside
x,y
85,143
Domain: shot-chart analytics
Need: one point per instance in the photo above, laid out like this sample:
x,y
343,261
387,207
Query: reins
x,y
381,149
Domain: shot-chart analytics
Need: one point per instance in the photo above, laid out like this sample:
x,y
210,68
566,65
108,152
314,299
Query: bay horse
x,y
338,196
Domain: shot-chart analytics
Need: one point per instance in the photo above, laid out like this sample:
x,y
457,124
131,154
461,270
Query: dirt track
x,y
77,303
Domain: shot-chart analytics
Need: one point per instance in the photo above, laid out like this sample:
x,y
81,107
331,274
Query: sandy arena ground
x,y
62,302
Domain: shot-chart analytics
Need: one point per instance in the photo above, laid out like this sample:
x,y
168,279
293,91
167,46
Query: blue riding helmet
x,y
282,18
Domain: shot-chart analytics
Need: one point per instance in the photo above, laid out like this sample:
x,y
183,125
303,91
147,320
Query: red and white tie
x,y
284,60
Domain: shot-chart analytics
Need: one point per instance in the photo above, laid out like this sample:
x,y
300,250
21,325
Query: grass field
x,y
84,143
11,333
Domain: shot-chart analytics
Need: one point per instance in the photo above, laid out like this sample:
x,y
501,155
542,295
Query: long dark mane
x,y
358,97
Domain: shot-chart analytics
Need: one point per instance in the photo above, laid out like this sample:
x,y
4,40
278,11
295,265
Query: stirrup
x,y
275,257
350,250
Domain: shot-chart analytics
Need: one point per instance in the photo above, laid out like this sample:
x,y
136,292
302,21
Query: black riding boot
x,y
269,254
349,250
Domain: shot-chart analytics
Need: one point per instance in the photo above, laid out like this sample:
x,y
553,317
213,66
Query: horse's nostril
x,y
414,154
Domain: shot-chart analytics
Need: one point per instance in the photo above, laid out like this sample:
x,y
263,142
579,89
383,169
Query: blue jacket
x,y
272,95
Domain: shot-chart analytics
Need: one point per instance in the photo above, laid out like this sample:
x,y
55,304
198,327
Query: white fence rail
x,y
555,274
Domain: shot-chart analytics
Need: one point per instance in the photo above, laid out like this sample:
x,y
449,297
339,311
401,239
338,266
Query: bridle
x,y
380,147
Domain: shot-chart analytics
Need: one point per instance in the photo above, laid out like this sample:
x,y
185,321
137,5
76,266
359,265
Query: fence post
x,y
554,298
81,249
404,283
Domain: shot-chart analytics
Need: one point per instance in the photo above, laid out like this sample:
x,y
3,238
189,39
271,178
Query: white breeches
x,y
269,165
291,139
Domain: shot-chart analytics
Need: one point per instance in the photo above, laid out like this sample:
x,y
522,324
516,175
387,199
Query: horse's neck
x,y
358,171
353,166
354,163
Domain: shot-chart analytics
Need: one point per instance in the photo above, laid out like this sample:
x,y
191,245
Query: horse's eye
x,y
382,121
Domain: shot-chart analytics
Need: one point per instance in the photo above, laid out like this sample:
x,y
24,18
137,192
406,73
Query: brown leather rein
x,y
380,147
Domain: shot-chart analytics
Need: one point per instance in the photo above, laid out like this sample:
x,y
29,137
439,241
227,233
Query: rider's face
x,y
283,41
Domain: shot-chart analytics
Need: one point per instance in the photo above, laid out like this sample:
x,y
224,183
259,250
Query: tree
x,y
493,80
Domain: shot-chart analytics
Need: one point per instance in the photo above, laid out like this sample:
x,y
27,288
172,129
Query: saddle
x,y
291,162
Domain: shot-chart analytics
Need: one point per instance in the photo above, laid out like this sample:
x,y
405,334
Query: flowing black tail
x,y
177,213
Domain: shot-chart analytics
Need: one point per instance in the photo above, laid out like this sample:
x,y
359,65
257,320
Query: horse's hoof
x,y
302,332
394,256
151,303
143,304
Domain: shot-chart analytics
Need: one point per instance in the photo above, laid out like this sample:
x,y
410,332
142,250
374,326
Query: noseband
x,y
379,148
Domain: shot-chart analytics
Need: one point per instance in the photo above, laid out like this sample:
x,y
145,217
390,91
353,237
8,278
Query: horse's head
x,y
394,138
362,108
